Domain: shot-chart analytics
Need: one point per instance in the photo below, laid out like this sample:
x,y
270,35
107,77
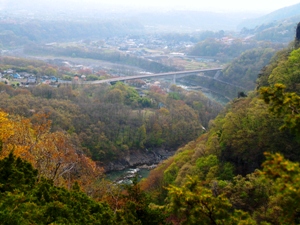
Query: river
x,y
125,176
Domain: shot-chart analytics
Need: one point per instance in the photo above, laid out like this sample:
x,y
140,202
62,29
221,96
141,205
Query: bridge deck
x,y
143,76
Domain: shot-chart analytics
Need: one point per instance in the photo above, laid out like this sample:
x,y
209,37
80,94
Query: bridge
x,y
144,76
174,74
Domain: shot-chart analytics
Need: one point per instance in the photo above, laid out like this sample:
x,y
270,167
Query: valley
x,y
164,116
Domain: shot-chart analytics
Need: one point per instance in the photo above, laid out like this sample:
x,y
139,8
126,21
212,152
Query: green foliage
x,y
137,210
16,174
263,76
283,104
216,47
92,77
24,201
15,34
208,166
110,121
174,95
226,172
243,70
243,135
249,193
285,175
195,204
145,102
209,47
287,72
121,93
67,77
235,144
171,173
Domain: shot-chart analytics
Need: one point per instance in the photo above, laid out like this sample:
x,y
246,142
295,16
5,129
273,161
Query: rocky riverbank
x,y
142,159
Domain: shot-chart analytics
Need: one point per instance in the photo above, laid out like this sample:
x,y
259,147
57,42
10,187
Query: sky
x,y
211,5
265,6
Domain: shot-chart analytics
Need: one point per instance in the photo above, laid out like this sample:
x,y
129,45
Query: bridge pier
x,y
174,79
218,73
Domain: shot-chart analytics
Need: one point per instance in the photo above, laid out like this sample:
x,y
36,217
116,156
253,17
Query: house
x,y
45,77
25,74
16,76
31,80
53,79
9,71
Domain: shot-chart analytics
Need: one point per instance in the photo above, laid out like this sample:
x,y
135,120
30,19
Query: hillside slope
x,y
221,169
280,14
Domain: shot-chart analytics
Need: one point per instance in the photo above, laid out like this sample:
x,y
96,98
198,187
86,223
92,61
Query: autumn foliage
x,y
51,153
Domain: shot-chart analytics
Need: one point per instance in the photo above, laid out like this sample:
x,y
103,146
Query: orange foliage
x,y
52,153
154,181
6,127
87,172
156,89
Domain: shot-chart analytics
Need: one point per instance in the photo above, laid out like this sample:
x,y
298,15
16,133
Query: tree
x,y
25,200
50,71
283,104
6,127
52,153
285,175
16,174
136,208
287,72
194,204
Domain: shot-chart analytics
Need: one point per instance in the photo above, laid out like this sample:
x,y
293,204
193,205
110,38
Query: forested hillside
x,y
277,26
278,15
240,74
49,190
238,164
214,47
243,170
243,70
108,122
238,172
53,139
16,32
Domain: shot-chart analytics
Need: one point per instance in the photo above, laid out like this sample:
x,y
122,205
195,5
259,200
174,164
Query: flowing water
x,y
125,176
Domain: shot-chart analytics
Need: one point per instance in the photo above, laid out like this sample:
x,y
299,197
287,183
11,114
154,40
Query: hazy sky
x,y
226,5
208,5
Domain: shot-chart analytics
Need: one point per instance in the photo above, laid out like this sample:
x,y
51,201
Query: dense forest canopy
x,y
237,171
57,129
111,121
234,173
244,69
232,165
240,75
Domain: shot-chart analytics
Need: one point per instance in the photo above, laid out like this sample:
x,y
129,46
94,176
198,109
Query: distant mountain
x,y
18,32
153,18
183,20
280,14
278,31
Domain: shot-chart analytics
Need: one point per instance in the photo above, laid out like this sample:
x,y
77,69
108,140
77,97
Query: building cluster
x,y
145,47
25,78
